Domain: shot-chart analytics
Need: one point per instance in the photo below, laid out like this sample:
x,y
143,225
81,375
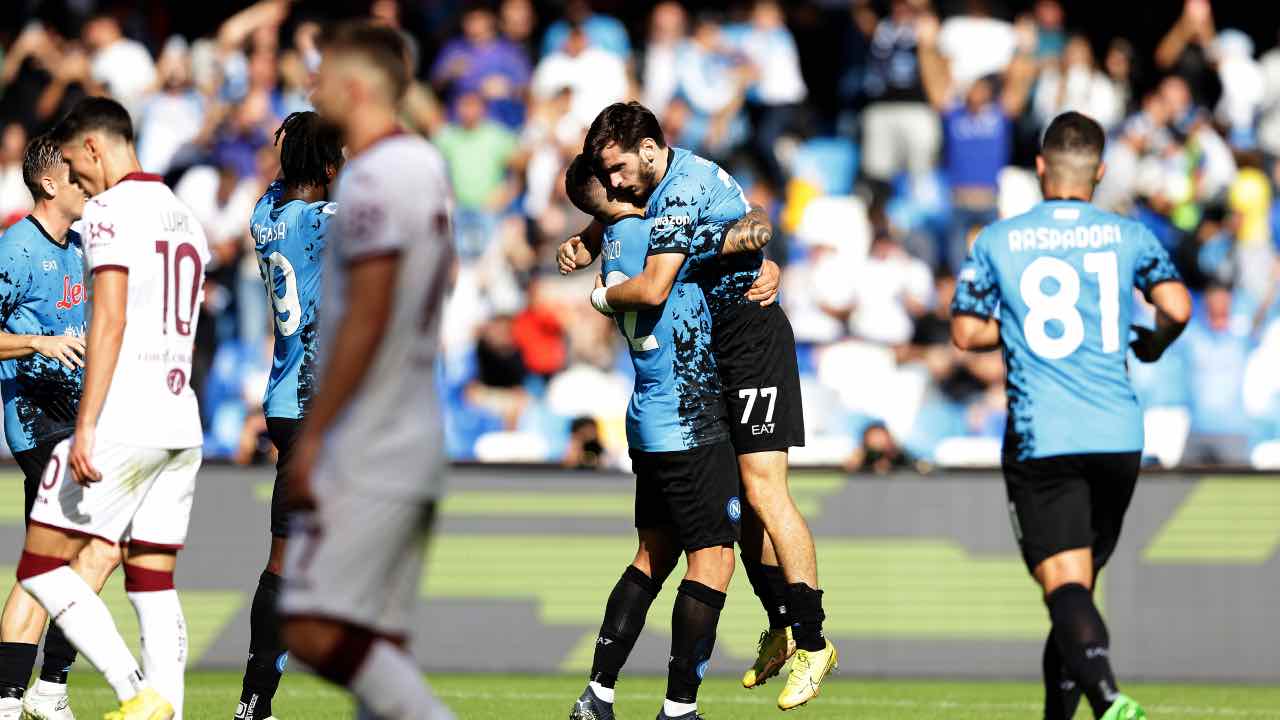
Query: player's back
x,y
289,239
395,200
676,403
1063,276
139,226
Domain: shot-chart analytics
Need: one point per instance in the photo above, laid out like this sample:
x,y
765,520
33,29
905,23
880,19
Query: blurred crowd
x,y
875,194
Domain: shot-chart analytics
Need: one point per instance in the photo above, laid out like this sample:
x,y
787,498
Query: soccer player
x,y
289,225
1054,289
686,475
755,352
127,474
368,462
42,303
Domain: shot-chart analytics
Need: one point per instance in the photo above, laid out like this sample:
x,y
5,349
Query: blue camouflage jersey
x,y
42,292
1060,279
676,403
289,239
694,193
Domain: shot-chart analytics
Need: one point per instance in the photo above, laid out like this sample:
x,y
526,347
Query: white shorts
x,y
144,497
358,559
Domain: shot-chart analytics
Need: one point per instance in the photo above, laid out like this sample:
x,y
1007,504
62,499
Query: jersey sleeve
x,y
706,243
319,219
106,246
15,279
675,222
1153,264
977,292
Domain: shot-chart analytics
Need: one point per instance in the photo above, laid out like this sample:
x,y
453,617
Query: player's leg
x,y
267,656
776,644
354,567
702,493
658,550
148,582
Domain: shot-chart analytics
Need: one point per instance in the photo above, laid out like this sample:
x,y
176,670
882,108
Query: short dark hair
x,y
584,189
625,124
1075,133
309,148
39,160
94,113
383,47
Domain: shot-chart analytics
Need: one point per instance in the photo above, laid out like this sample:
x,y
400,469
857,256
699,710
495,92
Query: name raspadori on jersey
x,y
1079,237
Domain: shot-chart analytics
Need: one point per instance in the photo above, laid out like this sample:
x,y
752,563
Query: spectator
x,y
1216,346
173,115
889,292
1120,65
498,387
899,129
15,199
1050,36
668,26
483,62
976,44
712,83
978,138
773,100
517,20
584,451
1269,122
1243,86
122,66
43,75
539,332
595,77
603,32
1185,50
479,152
879,452
1077,84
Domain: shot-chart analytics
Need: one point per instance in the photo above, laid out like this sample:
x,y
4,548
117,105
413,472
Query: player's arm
x,y
975,334
975,326
749,233
66,349
1173,311
580,250
106,333
648,289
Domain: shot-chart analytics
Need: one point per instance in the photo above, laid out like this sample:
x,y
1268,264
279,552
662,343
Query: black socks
x,y
16,662
1061,693
693,635
771,587
59,656
1081,637
624,617
266,651
805,610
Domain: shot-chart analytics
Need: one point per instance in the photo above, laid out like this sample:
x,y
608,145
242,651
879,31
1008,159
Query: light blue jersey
x,y
693,193
677,402
42,292
290,239
1060,278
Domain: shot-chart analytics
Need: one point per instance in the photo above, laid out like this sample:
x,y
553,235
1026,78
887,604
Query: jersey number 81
x,y
1061,305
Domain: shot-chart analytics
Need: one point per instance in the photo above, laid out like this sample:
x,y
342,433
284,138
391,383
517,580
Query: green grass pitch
x,y
213,695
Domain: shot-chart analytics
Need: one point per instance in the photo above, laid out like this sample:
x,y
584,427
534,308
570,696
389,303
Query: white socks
x,y
670,708
86,622
390,685
602,692
164,643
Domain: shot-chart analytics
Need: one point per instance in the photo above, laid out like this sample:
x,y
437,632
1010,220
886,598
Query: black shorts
x,y
282,431
695,491
33,462
755,351
1067,502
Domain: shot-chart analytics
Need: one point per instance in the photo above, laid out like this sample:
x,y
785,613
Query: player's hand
x,y
66,349
1144,345
80,457
300,495
765,289
572,255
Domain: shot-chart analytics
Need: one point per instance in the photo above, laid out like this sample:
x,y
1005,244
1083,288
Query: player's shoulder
x,y
19,235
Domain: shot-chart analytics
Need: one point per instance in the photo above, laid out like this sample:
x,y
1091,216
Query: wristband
x,y
599,302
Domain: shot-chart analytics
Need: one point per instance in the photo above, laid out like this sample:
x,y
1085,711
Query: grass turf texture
x,y
213,695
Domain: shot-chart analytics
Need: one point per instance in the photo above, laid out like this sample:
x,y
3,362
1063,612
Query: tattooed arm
x,y
749,234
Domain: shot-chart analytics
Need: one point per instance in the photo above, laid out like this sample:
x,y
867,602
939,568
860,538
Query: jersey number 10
x,y
173,279
1061,306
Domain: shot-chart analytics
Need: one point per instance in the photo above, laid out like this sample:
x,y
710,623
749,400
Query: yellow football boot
x,y
808,670
773,651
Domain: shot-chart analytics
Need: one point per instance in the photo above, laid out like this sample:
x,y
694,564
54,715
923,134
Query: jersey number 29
x,y
287,304
1061,305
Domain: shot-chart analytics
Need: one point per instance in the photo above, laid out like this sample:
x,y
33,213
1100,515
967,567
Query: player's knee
x,y
139,579
99,558
334,650
1066,568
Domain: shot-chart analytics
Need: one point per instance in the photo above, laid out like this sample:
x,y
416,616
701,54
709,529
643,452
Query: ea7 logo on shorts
x,y
176,380
734,509
765,429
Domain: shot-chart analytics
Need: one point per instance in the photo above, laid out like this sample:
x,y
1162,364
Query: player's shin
x,y
16,661
805,610
1083,644
266,651
1061,692
163,629
390,684
624,617
770,587
693,635
82,615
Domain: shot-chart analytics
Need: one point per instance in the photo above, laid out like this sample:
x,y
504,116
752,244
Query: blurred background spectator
x,y
880,135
